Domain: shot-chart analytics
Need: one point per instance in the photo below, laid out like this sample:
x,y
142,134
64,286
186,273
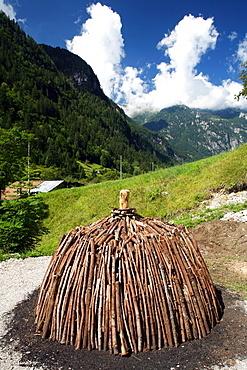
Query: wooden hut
x,y
127,283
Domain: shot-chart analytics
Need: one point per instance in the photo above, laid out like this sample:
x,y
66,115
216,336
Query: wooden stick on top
x,y
124,198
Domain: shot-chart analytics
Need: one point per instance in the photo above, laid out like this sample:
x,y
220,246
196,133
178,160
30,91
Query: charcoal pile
x,y
126,283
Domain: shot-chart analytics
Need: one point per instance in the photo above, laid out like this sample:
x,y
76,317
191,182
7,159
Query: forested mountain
x,y
55,96
198,133
76,69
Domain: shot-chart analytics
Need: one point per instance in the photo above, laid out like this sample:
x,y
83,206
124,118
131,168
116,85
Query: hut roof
x,y
47,186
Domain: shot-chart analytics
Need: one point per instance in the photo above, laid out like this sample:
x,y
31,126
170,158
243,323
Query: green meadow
x,y
172,194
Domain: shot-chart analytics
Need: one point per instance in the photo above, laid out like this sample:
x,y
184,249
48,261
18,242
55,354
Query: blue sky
x,y
148,54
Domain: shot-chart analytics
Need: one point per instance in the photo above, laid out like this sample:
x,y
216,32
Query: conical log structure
x,y
126,284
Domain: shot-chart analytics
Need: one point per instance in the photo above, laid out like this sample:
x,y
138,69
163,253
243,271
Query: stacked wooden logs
x,y
126,284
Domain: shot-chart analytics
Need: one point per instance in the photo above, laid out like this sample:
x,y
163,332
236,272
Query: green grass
x,y
173,194
169,194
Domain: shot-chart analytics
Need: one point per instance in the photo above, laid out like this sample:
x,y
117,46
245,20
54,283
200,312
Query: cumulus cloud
x,y
7,9
101,45
190,39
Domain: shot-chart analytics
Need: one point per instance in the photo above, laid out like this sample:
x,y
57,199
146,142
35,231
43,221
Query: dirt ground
x,y
223,246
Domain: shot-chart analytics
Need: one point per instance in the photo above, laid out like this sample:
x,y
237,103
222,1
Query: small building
x,y
18,189
47,186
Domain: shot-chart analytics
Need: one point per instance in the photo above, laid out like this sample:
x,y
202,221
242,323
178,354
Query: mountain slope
x,y
64,108
76,69
198,133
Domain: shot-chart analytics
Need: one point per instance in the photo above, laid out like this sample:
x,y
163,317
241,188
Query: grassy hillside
x,y
170,194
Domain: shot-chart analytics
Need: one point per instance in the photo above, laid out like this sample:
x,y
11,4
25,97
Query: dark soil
x,y
226,342
224,345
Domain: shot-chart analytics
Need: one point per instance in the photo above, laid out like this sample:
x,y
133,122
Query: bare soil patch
x,y
223,245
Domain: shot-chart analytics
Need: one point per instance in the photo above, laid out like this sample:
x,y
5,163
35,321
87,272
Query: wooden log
x,y
113,309
128,308
107,343
143,283
88,294
124,350
132,284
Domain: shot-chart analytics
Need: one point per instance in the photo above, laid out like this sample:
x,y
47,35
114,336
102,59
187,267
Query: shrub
x,y
21,223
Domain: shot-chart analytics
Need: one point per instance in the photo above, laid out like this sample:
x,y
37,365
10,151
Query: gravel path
x,y
18,278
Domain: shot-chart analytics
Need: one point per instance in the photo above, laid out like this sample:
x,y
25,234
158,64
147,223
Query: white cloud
x,y
190,39
22,20
78,20
233,36
242,50
101,45
7,9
